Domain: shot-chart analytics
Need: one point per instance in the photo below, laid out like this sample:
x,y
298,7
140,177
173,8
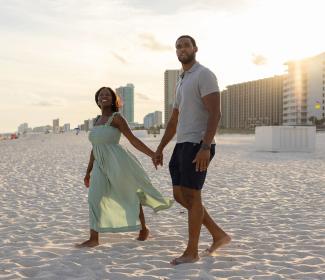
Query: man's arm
x,y
168,135
212,105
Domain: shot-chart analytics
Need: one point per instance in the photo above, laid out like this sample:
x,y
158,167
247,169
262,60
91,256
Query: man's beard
x,y
188,59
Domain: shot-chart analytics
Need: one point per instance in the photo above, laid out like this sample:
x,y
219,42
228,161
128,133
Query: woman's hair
x,y
116,101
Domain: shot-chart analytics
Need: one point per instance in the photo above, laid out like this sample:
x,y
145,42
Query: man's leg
x,y
144,232
195,218
220,238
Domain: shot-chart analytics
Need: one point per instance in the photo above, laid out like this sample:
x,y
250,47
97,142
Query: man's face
x,y
185,51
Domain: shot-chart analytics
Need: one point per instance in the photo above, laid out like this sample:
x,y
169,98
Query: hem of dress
x,y
115,230
164,206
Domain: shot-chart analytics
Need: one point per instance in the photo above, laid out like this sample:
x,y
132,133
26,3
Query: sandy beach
x,y
272,204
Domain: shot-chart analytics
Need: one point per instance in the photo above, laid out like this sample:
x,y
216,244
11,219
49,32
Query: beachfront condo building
x,y
66,127
126,93
56,126
153,119
23,128
254,103
304,91
170,79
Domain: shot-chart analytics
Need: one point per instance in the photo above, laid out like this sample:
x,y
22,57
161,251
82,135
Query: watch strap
x,y
205,146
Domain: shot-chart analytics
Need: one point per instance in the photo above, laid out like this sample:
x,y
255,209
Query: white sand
x,y
272,204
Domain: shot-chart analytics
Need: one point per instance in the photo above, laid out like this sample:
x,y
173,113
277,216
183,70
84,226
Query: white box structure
x,y
285,138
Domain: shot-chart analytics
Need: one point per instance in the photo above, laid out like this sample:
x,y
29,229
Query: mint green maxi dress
x,y
118,184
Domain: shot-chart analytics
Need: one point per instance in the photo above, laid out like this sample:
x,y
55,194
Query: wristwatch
x,y
205,146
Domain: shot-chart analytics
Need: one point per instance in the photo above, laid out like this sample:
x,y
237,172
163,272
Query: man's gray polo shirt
x,y
193,84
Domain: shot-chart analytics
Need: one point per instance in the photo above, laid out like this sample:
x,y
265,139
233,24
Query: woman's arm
x,y
120,123
89,168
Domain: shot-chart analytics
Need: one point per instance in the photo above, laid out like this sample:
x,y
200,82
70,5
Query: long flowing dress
x,y
118,184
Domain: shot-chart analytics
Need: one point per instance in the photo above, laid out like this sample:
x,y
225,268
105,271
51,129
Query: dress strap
x,y
96,119
110,119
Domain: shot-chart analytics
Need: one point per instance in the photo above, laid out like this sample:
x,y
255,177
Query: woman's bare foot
x,y
184,259
88,243
143,234
217,243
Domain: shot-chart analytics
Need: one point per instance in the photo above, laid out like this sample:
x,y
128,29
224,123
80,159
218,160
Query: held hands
x,y
87,180
202,160
157,158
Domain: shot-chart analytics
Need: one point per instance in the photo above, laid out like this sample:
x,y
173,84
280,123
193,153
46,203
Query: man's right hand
x,y
87,180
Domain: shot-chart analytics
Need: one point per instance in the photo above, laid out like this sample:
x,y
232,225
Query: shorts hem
x,y
188,186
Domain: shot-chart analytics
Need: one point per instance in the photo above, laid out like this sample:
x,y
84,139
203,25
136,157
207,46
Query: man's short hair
x,y
188,37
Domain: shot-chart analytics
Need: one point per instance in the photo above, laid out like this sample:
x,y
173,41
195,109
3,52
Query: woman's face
x,y
105,98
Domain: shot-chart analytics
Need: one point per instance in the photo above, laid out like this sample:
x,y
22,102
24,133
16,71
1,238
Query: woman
x,y
118,185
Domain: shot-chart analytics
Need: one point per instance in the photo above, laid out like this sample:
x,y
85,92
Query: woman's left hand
x,y
87,180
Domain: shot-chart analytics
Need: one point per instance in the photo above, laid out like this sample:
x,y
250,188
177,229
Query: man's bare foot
x,y
88,243
217,243
143,234
184,259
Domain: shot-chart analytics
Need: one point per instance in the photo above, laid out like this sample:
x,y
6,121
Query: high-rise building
x,y
23,128
253,103
170,79
304,91
87,125
148,120
157,118
45,128
153,119
127,96
92,123
66,127
56,126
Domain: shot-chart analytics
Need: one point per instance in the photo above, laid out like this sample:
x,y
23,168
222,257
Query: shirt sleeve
x,y
176,97
208,83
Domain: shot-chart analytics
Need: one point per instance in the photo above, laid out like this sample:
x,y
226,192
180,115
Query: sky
x,y
54,55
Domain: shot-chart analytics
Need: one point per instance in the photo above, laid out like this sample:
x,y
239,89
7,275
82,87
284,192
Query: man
x,y
194,119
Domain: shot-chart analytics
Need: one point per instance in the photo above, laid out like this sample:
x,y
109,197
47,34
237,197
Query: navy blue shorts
x,y
181,168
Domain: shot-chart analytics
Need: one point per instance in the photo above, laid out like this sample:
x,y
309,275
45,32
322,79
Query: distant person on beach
x,y
118,184
194,119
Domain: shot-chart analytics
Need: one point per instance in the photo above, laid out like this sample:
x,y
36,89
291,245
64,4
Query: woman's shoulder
x,y
115,118
117,115
118,119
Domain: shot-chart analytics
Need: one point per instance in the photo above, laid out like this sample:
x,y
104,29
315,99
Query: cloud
x,y
119,58
142,96
44,104
259,59
55,102
174,7
149,41
63,18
